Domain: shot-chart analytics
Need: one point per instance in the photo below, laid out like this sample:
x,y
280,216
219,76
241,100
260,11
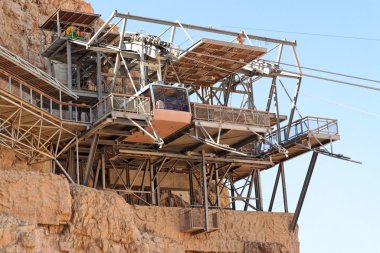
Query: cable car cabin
x,y
171,112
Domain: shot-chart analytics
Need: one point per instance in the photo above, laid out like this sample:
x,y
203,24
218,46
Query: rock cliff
x,y
41,212
20,21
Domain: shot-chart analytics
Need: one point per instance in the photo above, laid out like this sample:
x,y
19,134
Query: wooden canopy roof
x,y
208,61
68,17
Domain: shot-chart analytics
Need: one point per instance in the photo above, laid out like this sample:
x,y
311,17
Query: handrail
x,y
232,115
20,62
298,128
229,107
64,110
60,109
305,128
39,91
120,102
116,95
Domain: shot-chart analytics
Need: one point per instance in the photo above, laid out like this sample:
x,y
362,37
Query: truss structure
x,y
123,134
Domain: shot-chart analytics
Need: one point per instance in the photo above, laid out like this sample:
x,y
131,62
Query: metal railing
x,y
20,62
55,107
222,114
299,128
121,103
314,125
75,112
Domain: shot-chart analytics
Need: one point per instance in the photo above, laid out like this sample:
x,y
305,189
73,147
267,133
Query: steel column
x,y
99,75
269,102
258,192
78,77
103,170
191,187
274,189
91,157
232,192
143,182
294,107
69,73
304,190
284,195
152,186
218,201
251,183
205,190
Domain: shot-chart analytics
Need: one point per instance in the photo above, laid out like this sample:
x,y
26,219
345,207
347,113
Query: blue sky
x,y
341,212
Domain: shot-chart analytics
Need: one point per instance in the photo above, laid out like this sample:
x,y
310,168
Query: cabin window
x,y
171,98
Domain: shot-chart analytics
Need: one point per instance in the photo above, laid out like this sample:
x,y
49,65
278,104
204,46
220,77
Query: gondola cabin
x,y
170,112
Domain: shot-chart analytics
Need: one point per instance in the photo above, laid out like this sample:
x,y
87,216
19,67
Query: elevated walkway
x,y
24,72
43,120
303,136
35,119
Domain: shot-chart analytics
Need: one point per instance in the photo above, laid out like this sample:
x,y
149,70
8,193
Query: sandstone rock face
x,y
255,247
20,21
256,232
36,218
36,198
17,235
10,160
101,221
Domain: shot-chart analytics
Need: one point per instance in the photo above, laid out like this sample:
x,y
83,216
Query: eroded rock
x,y
39,198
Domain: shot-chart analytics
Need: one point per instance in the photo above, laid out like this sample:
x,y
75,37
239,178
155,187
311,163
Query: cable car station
x,y
139,114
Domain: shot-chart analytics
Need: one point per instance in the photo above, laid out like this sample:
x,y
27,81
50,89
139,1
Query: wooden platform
x,y
208,61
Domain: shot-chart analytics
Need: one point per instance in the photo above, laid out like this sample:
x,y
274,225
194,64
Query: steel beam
x,y
156,185
304,190
143,181
152,186
294,107
98,166
218,201
251,183
191,187
283,183
271,91
104,170
104,26
99,75
258,191
91,157
274,189
202,28
232,192
205,190
69,74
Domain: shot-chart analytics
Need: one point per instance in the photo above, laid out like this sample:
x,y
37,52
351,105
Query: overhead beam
x,y
193,157
202,28
114,132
